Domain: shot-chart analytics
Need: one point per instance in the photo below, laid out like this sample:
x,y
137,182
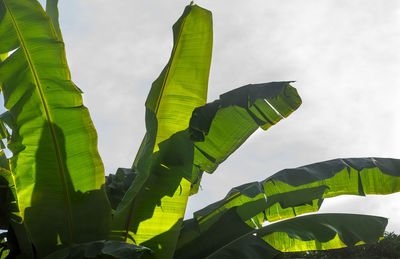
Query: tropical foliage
x,y
387,248
57,203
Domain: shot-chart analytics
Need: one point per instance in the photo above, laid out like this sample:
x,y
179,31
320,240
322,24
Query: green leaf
x,y
58,172
195,243
181,87
353,176
323,231
230,234
292,192
220,127
52,12
102,249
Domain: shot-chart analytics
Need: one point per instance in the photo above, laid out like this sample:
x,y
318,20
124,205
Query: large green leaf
x,y
312,232
220,127
102,249
58,172
323,231
292,192
197,244
181,87
231,236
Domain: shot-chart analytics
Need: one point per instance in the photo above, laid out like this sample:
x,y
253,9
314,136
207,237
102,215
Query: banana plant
x,y
56,201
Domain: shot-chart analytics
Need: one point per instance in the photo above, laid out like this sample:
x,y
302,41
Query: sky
x,y
342,54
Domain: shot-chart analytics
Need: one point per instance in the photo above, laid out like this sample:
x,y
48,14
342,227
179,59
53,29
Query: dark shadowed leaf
x,y
117,184
102,249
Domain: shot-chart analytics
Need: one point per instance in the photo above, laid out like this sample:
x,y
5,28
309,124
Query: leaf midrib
x,y
49,119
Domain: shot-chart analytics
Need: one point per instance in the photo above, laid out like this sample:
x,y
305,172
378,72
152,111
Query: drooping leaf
x,y
292,192
258,202
311,232
181,87
102,249
58,171
352,176
230,234
220,127
323,231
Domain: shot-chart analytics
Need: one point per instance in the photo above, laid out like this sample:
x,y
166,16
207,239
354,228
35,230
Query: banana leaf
x,y
292,192
59,175
52,12
311,232
181,87
220,127
102,249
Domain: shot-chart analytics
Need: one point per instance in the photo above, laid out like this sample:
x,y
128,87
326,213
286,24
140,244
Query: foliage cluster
x,y
57,203
387,248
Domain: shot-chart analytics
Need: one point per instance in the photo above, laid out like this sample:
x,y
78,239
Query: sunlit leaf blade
x,y
102,249
353,176
181,87
323,231
220,127
58,172
52,12
292,192
311,232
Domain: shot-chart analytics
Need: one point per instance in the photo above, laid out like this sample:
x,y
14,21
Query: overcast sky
x,y
344,56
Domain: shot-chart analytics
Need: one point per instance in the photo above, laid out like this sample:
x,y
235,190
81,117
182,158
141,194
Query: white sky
x,y
343,54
